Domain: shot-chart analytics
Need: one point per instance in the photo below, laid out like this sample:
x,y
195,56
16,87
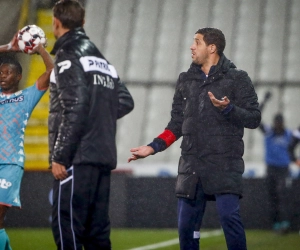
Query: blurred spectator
x,y
277,139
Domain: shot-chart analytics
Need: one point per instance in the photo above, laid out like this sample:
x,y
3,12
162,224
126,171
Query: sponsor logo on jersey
x,y
12,100
19,92
64,65
92,63
5,184
105,81
52,77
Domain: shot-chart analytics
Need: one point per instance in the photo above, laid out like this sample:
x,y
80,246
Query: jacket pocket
x,y
187,178
187,142
186,186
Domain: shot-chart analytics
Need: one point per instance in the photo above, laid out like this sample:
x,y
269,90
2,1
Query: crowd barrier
x,y
147,202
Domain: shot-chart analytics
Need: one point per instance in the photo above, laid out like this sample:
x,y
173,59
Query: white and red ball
x,y
29,37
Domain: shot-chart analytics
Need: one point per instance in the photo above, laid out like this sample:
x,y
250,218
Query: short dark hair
x,y
12,60
70,12
213,36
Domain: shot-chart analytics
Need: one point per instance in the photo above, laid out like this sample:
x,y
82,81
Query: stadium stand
x,y
148,42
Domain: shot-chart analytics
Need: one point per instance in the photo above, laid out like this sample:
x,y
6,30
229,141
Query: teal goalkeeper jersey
x,y
15,111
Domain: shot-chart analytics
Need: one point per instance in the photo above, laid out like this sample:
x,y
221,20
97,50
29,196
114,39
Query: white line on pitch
x,y
176,241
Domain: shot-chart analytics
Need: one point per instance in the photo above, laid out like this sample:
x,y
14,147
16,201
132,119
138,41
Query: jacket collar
x,y
222,66
71,35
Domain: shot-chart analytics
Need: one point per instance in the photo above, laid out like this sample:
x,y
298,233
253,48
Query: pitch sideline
x,y
176,241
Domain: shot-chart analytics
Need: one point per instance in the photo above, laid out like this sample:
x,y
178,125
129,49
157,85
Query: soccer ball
x,y
29,37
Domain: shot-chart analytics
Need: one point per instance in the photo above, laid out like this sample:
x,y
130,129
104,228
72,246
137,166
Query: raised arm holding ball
x,y
16,107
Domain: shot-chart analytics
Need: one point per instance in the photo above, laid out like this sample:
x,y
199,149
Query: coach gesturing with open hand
x,y
212,104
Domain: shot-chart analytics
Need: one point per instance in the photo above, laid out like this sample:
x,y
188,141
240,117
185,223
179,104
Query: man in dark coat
x,y
212,104
86,99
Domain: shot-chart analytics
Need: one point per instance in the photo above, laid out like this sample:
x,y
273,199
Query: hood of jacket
x,y
222,66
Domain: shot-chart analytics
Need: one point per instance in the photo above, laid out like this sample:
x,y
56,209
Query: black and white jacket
x,y
86,99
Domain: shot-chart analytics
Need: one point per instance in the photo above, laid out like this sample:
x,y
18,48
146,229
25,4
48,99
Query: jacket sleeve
x,y
126,103
245,111
173,131
175,124
74,102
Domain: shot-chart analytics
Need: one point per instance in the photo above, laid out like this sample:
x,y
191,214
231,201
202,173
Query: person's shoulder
x,y
30,89
25,90
231,70
72,45
237,73
185,75
183,78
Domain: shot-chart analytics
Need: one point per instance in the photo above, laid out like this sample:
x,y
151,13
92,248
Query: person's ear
x,y
213,48
56,23
19,77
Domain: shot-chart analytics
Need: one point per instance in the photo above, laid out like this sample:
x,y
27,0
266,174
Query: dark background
x,y
147,202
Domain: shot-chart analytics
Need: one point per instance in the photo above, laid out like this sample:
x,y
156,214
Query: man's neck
x,y
3,92
61,32
213,60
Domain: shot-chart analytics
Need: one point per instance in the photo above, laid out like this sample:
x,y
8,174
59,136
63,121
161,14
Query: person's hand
x,y
140,152
59,171
298,162
220,104
13,44
37,49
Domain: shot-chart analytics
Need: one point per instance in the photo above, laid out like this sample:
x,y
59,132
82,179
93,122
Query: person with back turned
x,y
86,99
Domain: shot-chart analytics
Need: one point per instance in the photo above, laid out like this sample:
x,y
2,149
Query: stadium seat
x,y
118,34
97,25
273,42
142,44
292,72
197,16
245,53
165,61
225,10
291,106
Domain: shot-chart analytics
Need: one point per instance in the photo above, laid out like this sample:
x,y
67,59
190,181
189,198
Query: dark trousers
x,y
278,193
80,210
190,215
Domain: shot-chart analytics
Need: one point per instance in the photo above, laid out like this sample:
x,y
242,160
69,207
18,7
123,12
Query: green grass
x,y
41,239
30,239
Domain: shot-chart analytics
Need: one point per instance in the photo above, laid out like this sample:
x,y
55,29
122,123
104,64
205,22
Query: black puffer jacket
x,y
212,145
86,99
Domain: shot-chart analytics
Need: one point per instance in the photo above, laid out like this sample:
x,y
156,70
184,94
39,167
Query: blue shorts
x,y
10,183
